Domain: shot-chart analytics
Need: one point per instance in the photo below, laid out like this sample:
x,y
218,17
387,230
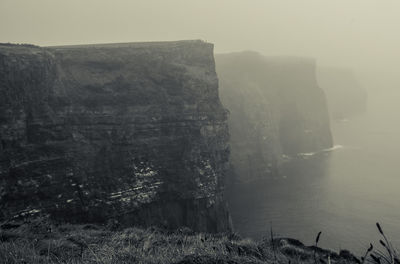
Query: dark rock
x,y
294,242
295,249
10,225
134,132
345,254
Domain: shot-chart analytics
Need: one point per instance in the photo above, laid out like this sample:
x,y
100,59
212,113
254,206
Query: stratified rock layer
x,y
134,132
276,110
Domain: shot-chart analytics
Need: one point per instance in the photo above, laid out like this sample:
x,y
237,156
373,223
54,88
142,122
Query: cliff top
x,y
13,48
7,48
132,44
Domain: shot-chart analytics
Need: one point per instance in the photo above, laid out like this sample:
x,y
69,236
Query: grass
x,y
387,254
42,241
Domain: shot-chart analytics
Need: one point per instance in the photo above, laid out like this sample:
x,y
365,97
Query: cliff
x,y
276,110
134,132
346,97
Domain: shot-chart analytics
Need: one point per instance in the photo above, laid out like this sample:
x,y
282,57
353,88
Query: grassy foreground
x,y
42,241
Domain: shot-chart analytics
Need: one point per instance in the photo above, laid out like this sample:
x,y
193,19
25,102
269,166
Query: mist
x,y
308,90
358,34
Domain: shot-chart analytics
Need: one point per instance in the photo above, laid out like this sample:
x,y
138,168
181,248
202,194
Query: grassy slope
x,y
41,241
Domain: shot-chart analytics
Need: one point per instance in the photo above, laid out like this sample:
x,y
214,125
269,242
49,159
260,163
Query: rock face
x,y
134,132
276,110
346,97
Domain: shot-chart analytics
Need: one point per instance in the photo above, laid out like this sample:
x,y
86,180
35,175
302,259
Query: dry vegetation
x,y
42,241
387,255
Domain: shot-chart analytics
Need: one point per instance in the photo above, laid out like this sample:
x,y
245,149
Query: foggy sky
x,y
360,34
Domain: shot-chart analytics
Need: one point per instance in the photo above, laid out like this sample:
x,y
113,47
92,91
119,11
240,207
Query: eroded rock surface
x,y
130,131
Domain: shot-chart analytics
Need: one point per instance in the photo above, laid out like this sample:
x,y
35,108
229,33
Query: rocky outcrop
x,y
346,97
276,110
134,132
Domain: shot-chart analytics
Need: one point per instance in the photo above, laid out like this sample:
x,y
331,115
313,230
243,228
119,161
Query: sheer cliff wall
x,y
134,132
276,110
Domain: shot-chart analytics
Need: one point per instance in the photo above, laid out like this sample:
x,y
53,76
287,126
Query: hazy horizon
x,y
358,34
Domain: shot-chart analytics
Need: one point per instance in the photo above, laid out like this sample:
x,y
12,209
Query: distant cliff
x,y
276,110
346,96
133,131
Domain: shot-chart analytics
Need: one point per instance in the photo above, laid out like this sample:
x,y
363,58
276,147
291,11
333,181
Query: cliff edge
x,y
131,131
276,110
